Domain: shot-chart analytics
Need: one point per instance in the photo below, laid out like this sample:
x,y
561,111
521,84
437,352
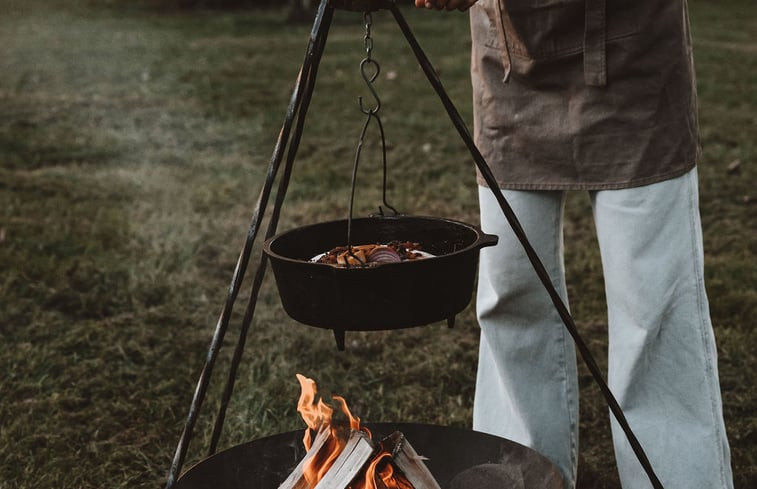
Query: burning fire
x,y
390,478
318,416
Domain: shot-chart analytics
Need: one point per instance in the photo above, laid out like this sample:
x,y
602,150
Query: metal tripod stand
x,y
288,140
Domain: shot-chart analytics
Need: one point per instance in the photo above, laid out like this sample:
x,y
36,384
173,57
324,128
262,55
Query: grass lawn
x,y
133,145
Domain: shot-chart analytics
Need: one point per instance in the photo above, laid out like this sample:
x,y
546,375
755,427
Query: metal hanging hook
x,y
369,79
368,64
369,70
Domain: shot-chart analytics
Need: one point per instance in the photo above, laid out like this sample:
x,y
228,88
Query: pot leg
x,y
451,322
339,337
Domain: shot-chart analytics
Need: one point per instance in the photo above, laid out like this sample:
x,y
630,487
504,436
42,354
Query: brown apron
x,y
583,94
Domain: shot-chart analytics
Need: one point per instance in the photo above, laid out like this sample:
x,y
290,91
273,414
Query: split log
x,y
296,479
356,453
409,462
352,462
349,463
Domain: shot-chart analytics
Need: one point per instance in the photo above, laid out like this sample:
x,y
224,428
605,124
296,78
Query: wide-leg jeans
x,y
662,356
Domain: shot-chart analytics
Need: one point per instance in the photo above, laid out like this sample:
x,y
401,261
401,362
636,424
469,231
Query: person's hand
x,y
461,5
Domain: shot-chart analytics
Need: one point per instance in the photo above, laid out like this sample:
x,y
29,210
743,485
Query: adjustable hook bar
x,y
369,70
383,154
354,182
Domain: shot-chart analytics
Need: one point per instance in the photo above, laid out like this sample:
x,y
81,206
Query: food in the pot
x,y
383,254
372,254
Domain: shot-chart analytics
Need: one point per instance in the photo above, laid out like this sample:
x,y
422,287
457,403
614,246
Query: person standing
x,y
598,96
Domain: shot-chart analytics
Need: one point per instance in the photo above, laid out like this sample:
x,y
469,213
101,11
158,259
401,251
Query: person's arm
x,y
461,5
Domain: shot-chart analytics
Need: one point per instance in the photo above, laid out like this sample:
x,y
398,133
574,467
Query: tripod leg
x,y
315,55
562,310
241,266
339,336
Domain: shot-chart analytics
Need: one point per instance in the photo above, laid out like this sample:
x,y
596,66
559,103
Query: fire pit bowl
x,y
458,459
389,296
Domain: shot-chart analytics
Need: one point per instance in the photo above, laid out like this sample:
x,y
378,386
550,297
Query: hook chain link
x,y
368,40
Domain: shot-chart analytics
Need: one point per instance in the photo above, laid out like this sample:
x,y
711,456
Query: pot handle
x,y
485,240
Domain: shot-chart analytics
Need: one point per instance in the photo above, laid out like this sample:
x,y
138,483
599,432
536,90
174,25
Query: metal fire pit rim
x,y
483,239
385,428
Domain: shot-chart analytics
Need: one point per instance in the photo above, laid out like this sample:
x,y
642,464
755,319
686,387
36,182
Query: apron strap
x,y
595,66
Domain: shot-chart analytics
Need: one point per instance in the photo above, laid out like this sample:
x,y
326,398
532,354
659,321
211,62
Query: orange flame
x,y
370,473
317,417
354,422
394,480
390,478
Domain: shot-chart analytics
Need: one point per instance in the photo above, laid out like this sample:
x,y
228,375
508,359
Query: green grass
x,y
133,144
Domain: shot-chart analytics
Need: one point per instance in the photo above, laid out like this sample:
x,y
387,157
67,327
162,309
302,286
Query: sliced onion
x,y
384,254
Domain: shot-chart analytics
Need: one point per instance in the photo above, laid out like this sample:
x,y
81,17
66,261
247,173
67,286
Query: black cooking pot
x,y
389,296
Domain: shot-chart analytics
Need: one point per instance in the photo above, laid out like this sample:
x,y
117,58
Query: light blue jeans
x,y
662,356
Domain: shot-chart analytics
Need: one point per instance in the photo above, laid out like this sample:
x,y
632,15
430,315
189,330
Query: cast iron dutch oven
x,y
389,296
